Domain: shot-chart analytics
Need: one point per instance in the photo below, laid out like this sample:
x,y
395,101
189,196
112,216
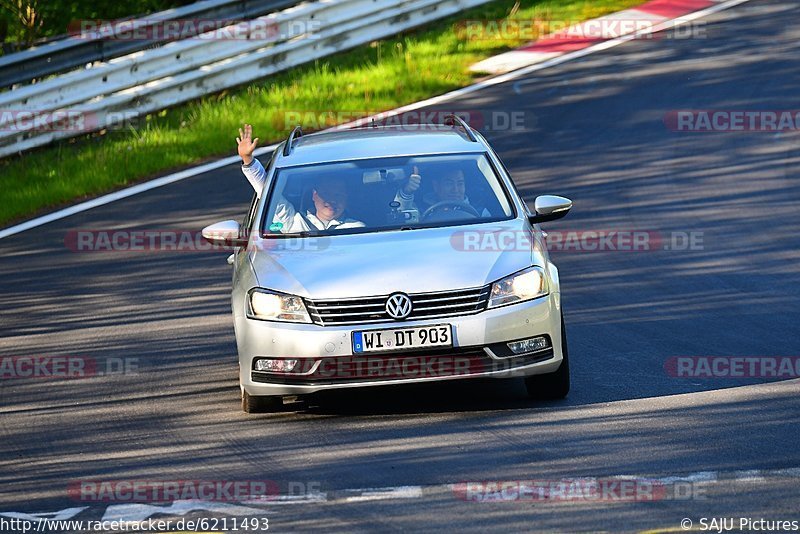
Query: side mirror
x,y
224,233
550,208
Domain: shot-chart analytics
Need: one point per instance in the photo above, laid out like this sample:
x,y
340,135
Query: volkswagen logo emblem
x,y
398,306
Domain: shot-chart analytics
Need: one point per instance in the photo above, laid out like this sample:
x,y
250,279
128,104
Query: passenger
x,y
330,196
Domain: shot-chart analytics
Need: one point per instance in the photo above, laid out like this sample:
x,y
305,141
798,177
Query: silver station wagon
x,y
391,255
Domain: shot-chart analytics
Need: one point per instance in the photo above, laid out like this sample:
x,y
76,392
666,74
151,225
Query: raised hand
x,y
246,144
413,182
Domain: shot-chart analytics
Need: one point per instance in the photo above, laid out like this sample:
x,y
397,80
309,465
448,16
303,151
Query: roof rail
x,y
457,121
287,148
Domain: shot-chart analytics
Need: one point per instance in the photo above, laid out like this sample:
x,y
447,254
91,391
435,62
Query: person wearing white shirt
x,y
329,196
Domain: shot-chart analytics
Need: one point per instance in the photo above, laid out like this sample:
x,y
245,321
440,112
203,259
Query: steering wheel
x,y
456,205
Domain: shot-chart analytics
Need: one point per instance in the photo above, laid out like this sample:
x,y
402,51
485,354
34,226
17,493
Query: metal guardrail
x,y
62,55
177,72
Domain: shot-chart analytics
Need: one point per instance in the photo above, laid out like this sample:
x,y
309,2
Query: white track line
x,y
134,511
490,82
419,492
401,492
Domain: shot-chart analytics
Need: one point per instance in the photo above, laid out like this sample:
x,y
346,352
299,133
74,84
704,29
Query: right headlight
x,y
518,287
272,306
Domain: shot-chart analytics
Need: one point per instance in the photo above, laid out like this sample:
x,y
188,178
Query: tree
x,y
27,16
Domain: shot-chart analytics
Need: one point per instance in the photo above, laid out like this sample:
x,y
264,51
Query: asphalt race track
x,y
596,133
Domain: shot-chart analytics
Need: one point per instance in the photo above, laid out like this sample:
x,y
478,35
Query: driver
x,y
448,186
329,196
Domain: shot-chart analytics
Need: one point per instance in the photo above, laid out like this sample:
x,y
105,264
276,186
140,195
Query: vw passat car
x,y
381,255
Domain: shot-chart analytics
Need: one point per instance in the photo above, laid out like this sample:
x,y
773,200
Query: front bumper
x,y
328,361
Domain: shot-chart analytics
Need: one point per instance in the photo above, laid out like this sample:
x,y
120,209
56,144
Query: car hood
x,y
380,263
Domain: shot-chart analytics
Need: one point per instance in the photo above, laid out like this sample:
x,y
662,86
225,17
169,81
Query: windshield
x,y
385,194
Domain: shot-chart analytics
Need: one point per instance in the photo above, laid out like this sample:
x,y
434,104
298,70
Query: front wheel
x,y
259,403
555,385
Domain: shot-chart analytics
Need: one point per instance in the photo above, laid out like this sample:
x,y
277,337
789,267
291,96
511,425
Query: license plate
x,y
418,337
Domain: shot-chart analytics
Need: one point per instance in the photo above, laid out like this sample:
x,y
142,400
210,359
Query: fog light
x,y
275,365
528,345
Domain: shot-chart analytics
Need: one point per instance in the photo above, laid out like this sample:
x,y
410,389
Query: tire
x,y
260,404
555,385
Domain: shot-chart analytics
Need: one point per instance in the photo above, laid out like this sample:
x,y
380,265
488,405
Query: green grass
x,y
373,77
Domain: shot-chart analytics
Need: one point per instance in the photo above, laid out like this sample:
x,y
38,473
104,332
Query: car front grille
x,y
424,306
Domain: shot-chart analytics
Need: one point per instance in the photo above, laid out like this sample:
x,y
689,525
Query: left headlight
x,y
518,287
271,306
